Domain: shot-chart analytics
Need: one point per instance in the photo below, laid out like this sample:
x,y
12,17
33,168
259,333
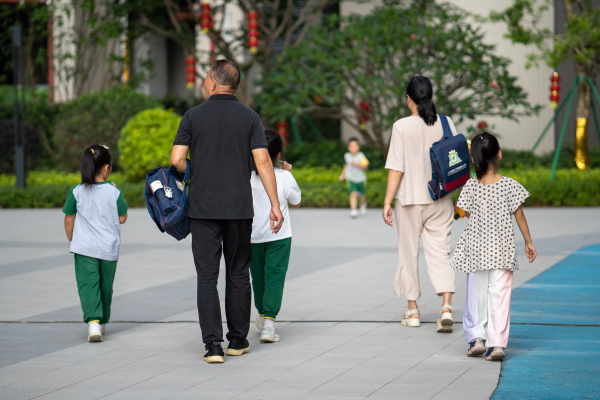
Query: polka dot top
x,y
488,241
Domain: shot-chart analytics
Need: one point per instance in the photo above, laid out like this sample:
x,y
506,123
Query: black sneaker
x,y
237,346
215,353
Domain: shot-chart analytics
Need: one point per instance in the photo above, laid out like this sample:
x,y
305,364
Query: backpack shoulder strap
x,y
446,127
188,171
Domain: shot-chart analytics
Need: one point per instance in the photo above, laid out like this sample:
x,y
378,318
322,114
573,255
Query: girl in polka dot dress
x,y
486,249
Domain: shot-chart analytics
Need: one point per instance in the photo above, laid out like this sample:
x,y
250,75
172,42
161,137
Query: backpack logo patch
x,y
453,158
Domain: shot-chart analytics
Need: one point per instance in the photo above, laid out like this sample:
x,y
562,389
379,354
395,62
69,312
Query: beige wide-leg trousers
x,y
434,222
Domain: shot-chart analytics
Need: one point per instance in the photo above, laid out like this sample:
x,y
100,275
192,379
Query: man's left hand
x,y
276,218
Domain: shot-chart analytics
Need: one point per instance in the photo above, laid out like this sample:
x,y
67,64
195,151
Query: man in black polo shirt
x,y
222,136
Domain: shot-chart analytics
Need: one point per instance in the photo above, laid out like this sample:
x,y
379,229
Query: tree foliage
x,y
580,41
281,23
371,58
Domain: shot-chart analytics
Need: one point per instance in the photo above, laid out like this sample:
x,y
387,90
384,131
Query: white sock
x,y
262,319
269,323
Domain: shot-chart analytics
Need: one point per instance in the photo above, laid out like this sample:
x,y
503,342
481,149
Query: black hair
x,y
94,158
420,91
484,151
226,73
353,139
274,147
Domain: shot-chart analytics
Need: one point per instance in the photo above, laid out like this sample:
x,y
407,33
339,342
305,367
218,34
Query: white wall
x,y
519,135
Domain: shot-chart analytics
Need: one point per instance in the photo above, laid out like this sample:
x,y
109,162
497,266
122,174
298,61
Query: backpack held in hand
x,y
166,199
449,162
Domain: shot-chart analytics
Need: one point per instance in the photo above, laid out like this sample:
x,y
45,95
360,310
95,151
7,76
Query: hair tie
x,y
92,150
481,137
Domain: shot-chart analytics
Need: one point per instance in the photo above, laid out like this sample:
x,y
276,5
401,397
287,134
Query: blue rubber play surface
x,y
554,346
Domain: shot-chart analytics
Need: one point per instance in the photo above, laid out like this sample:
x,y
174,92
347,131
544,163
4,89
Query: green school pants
x,y
269,266
95,279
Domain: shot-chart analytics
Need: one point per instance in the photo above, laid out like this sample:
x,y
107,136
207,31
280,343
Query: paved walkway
x,y
340,330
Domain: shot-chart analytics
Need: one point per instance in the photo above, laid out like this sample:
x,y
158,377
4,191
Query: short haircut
x,y
353,139
226,73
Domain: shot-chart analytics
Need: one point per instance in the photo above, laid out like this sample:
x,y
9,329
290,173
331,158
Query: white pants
x,y
434,222
487,311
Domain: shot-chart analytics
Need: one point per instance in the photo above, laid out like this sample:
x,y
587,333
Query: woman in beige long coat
x,y
417,214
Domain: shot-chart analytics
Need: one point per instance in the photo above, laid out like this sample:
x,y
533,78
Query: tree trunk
x,y
582,156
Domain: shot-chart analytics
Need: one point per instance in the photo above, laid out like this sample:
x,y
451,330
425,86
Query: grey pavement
x,y
339,326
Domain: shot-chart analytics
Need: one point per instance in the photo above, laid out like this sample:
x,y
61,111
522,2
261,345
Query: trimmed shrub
x,y
146,142
95,119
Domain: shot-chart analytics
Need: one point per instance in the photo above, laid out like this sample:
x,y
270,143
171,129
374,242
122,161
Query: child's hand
x,y
341,178
530,252
286,166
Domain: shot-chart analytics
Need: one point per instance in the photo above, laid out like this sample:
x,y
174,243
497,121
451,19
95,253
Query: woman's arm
x,y
524,228
393,183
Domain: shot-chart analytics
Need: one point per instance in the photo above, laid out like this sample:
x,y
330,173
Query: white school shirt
x,y
354,173
287,191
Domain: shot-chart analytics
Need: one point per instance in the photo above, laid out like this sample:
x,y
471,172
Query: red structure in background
x,y
554,89
190,71
252,31
205,17
282,129
363,117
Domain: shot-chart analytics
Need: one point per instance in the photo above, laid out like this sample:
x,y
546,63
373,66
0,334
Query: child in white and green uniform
x,y
354,172
271,253
94,212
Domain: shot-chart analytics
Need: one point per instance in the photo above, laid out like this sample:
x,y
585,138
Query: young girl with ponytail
x,y
486,249
94,210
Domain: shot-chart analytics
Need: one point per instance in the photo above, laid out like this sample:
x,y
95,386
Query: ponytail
x,y
420,91
427,112
484,152
94,158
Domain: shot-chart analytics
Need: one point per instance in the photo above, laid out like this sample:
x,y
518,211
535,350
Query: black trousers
x,y
210,238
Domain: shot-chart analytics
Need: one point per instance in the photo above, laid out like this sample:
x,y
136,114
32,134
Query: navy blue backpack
x,y
166,199
449,162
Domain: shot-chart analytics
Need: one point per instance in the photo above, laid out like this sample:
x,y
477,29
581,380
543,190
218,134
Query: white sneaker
x,y
353,213
94,332
363,208
268,335
258,323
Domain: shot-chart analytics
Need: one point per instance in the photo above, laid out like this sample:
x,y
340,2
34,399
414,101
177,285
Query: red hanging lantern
x,y
190,71
252,31
363,116
282,129
205,17
554,90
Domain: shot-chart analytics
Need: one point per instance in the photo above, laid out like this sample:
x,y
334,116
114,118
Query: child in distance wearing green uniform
x,y
354,172
271,253
94,212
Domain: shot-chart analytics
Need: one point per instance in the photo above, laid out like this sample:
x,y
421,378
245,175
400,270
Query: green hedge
x,y
331,154
320,188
